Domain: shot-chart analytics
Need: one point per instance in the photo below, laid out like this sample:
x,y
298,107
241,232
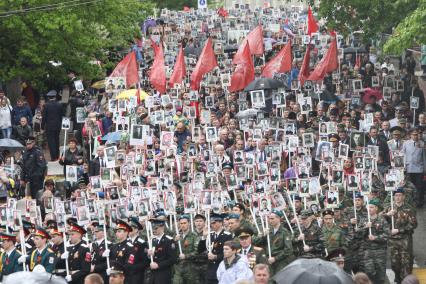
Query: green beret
x,y
277,212
375,202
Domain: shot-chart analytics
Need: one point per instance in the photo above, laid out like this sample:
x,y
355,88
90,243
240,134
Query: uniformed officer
x,y
78,255
122,251
140,252
200,261
52,123
58,248
254,255
313,245
10,256
116,273
98,248
33,168
184,269
332,235
41,255
28,229
218,236
163,252
338,257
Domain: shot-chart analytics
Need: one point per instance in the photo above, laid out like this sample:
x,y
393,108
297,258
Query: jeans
x,y
6,132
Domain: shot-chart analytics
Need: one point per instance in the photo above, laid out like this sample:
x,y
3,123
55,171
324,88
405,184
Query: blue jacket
x,y
19,112
107,125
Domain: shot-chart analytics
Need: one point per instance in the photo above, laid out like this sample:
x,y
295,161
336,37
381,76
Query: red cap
x,y
77,228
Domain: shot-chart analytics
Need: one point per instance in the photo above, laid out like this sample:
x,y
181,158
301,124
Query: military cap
x,y
122,225
30,139
216,217
337,255
396,130
71,221
185,216
333,137
51,224
400,107
277,212
134,222
298,198
7,237
399,190
55,232
328,212
306,213
374,201
358,195
116,268
233,216
77,228
227,165
97,226
51,93
41,233
244,232
334,111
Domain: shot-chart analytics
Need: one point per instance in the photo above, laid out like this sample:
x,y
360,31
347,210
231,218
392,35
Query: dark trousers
x,y
417,180
53,143
36,183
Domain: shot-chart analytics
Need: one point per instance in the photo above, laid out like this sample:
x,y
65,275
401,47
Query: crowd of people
x,y
212,186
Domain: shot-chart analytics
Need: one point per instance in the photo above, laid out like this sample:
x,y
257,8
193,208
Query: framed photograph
x,y
337,177
303,187
332,198
278,201
398,160
238,157
122,124
399,85
314,186
95,182
211,134
375,81
357,140
414,102
166,140
308,140
78,84
356,100
83,215
357,85
80,114
109,153
209,102
257,98
352,182
343,150
306,105
71,173
366,182
387,93
358,163
323,129
66,123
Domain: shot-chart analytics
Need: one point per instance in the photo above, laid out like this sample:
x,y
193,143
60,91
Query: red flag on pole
x,y
255,39
157,75
328,63
312,24
281,62
244,71
179,70
128,68
304,70
206,63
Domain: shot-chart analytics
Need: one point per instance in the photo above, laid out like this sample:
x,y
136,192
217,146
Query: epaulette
x,y
84,245
28,245
226,233
170,238
141,241
129,244
50,250
257,248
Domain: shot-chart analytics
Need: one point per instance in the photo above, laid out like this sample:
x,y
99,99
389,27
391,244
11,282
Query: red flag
x,y
312,24
206,63
304,70
328,63
157,76
255,39
244,71
128,68
186,9
179,70
281,62
222,12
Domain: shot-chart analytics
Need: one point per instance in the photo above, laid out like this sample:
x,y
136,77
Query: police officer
x,y
140,249
122,251
78,255
163,252
58,248
34,167
51,123
42,254
218,236
10,256
98,248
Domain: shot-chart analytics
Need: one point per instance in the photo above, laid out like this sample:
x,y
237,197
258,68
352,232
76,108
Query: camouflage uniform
x,y
313,239
400,244
281,247
355,258
200,262
375,251
184,269
333,238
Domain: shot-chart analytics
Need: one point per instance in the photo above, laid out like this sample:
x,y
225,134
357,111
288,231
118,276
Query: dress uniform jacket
x,y
98,248
165,257
254,255
137,271
217,249
60,267
46,258
79,262
10,263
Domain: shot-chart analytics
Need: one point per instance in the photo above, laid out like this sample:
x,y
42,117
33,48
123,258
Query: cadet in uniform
x,y
34,167
78,255
399,243
200,261
184,269
311,234
116,274
98,249
28,228
332,235
52,123
376,243
10,256
163,252
58,248
218,236
254,255
281,242
41,255
140,247
338,257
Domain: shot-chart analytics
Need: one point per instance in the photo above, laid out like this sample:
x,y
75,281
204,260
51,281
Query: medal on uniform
x,y
76,255
120,254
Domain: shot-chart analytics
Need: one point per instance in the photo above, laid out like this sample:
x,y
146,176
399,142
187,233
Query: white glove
x,y
68,278
105,253
65,255
22,258
108,271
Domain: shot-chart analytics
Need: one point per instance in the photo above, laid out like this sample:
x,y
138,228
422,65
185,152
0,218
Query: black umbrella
x,y
10,144
265,84
312,271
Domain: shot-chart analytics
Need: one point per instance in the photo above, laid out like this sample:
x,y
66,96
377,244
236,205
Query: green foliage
x,y
177,4
374,18
73,35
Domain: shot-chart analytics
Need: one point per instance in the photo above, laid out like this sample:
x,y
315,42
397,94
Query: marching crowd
x,y
213,186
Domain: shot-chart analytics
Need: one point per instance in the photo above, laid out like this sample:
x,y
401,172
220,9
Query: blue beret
x,y
185,216
359,195
216,217
234,216
399,190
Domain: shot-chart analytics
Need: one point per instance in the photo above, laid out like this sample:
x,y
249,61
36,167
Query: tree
x,y
75,34
373,17
177,4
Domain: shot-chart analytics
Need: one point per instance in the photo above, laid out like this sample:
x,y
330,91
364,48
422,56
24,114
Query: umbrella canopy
x,y
251,112
370,94
98,85
112,137
312,271
265,84
131,93
10,144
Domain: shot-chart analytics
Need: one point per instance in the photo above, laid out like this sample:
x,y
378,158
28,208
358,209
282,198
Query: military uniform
x,y
51,123
165,257
184,269
10,263
79,262
400,247
313,239
98,248
354,260
60,267
254,255
217,250
34,166
137,271
45,258
200,261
